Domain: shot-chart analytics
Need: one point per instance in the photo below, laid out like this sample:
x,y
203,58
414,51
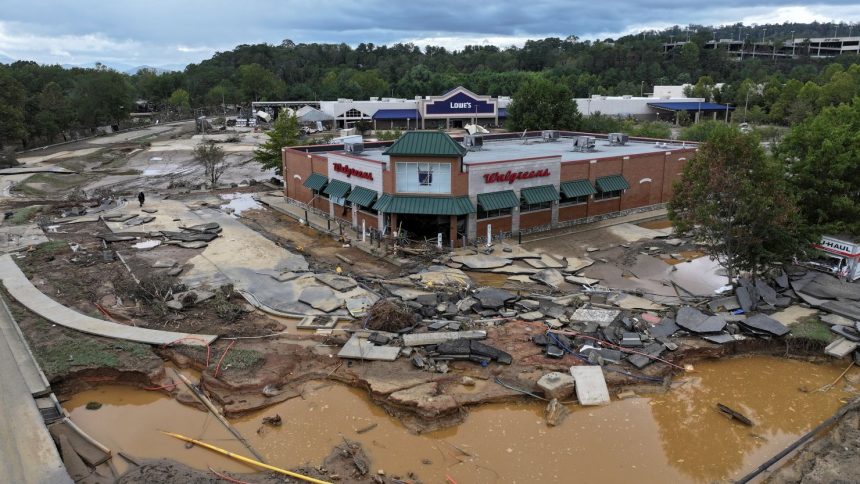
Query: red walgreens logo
x,y
512,176
352,172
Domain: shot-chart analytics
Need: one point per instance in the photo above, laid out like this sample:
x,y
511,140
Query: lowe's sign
x,y
460,104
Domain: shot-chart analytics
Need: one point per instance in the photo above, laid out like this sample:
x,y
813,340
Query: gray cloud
x,y
162,32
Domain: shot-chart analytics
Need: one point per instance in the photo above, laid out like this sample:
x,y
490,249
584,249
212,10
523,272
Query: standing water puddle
x,y
675,437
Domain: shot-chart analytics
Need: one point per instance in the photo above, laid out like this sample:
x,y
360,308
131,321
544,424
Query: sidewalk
x,y
633,218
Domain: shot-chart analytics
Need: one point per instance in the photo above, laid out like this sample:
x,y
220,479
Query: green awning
x,y
337,188
498,200
541,194
612,183
315,182
362,196
403,204
577,188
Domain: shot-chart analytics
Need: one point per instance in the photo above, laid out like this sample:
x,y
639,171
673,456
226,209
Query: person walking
x,y
141,198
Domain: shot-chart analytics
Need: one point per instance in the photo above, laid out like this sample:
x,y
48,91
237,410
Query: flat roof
x,y
497,150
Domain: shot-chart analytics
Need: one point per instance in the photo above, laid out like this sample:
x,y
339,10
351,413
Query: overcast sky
x,y
177,32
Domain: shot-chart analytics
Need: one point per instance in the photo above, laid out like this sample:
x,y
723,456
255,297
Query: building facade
x,y
428,183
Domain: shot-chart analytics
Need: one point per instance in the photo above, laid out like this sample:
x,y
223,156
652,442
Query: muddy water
x,y
676,437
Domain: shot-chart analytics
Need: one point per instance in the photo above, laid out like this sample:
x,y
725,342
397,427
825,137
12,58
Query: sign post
x,y
363,231
489,235
439,240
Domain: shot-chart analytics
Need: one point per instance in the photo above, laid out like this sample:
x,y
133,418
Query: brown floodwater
x,y
674,437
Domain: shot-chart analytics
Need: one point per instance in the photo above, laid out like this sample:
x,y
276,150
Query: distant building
x,y
664,104
819,47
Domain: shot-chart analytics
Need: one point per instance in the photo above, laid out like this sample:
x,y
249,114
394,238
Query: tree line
x,y
41,103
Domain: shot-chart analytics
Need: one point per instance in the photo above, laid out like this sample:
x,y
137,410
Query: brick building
x,y
427,182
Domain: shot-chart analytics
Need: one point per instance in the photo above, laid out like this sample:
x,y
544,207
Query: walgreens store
x,y
427,182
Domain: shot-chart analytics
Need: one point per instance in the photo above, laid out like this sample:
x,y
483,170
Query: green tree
x,y
650,129
542,104
55,114
257,82
12,98
212,158
823,157
180,100
700,131
285,132
101,97
721,201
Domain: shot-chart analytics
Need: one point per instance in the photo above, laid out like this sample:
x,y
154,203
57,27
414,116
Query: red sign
x,y
512,176
352,172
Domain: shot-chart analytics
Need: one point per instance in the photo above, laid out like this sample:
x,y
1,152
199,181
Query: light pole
x,y
792,44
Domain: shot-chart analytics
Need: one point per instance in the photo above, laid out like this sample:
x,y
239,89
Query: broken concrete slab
x,y
359,348
836,319
531,316
163,264
728,303
286,276
522,279
481,261
546,262
139,221
551,277
423,339
586,281
336,282
765,323
119,217
442,276
767,293
514,269
745,299
840,348
357,306
696,321
652,350
843,308
317,322
825,286
321,298
189,237
602,317
848,332
794,314
556,385
198,244
493,298
590,385
721,339
576,264
629,301
175,271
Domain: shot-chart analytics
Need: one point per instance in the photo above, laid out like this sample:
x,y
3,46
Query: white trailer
x,y
840,256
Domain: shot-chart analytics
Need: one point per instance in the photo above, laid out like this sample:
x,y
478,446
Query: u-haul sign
x,y
839,247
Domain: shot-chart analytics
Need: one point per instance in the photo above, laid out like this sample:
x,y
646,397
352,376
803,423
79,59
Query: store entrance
x,y
421,228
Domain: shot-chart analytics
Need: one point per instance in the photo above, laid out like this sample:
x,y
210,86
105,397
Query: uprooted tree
x,y
212,157
736,201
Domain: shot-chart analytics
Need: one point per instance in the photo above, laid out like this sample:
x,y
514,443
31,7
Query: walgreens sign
x,y
512,176
352,172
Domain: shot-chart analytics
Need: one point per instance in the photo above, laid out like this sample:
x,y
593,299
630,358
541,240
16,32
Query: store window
x,y
339,201
531,207
482,214
354,113
423,177
320,194
608,195
573,200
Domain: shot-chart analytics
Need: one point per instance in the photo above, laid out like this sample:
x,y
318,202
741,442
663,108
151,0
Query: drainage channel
x,y
674,437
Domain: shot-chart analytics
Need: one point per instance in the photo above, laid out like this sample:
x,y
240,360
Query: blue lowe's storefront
x,y
459,107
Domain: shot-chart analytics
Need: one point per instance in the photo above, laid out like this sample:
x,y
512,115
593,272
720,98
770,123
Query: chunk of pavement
x,y
553,351
590,385
550,262
149,210
728,303
629,301
357,306
607,355
603,317
744,299
514,270
419,362
211,227
139,221
194,296
483,349
848,332
673,242
195,244
405,293
555,413
174,304
528,304
843,308
666,327
825,286
163,264
722,339
840,348
630,340
465,304
576,264
832,319
493,298
321,298
767,293
782,280
765,323
116,237
119,217
556,385
190,237
174,271
586,281
317,322
551,277
378,338
591,249
641,361
423,339
358,348
336,282
437,325
481,261
286,276
531,316
696,321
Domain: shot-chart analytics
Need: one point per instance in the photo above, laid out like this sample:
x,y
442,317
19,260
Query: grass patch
x,y
50,248
241,359
68,353
813,330
23,215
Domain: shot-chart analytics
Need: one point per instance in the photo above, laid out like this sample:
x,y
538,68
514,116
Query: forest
x,y
40,104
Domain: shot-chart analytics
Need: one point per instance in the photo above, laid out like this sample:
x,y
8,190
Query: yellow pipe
x,y
246,460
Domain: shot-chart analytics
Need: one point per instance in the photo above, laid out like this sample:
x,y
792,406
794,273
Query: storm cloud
x,y
174,33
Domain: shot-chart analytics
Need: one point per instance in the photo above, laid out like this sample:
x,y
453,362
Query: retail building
x,y
427,183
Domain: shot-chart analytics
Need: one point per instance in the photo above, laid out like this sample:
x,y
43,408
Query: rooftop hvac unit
x,y
549,135
584,143
472,141
618,139
354,147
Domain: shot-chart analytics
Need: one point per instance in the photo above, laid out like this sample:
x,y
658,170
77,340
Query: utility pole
x,y
746,104
792,44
